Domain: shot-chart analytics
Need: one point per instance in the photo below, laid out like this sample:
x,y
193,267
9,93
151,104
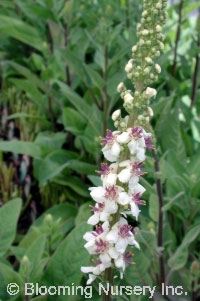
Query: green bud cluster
x,y
142,69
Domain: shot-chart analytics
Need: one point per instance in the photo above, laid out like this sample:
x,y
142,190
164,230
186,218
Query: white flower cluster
x,y
121,192
119,196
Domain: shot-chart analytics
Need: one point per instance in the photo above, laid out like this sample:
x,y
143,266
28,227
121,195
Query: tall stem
x,y
160,218
104,91
196,69
178,35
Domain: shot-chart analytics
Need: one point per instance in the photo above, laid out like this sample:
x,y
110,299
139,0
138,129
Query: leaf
x,y
51,140
73,121
22,31
64,266
8,275
84,109
63,211
34,253
28,116
22,147
83,214
75,184
179,259
9,215
153,207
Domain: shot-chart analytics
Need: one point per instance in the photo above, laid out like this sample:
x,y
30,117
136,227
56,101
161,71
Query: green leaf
x,y
63,211
74,183
84,213
84,109
28,116
22,31
64,266
73,121
9,215
22,147
34,253
8,275
179,259
153,207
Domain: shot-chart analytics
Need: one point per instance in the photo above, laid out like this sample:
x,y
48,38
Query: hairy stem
x,y
178,35
160,218
104,91
196,69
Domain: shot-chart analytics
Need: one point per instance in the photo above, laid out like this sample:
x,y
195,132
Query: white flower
x,y
111,149
122,261
108,173
150,92
123,138
91,237
122,236
102,211
131,173
116,114
95,270
137,144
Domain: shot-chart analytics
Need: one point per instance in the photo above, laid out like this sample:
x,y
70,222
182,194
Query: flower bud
x,y
129,66
116,114
148,60
120,88
150,111
158,68
128,99
134,48
158,28
150,92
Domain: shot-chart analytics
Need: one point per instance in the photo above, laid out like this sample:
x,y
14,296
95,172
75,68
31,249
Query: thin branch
x,y
178,35
160,217
196,69
104,91
108,278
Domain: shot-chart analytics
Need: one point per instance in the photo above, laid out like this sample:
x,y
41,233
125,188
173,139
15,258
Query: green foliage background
x,y
60,64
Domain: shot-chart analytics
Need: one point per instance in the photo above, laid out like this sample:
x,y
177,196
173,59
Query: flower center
x,y
148,143
99,230
102,246
105,169
136,169
136,133
125,231
136,198
111,192
127,258
109,139
99,207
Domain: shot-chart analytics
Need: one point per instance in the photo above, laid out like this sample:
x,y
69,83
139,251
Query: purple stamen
x,y
99,207
105,169
111,192
136,198
97,262
109,139
136,133
136,169
125,231
148,143
127,257
102,246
